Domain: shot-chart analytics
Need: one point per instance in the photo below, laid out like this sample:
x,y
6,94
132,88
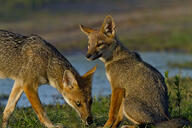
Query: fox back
x,y
22,56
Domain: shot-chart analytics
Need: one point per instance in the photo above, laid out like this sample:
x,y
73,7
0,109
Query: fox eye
x,y
90,101
100,44
78,103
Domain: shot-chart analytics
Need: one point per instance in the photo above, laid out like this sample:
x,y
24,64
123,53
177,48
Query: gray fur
x,y
30,57
146,97
31,62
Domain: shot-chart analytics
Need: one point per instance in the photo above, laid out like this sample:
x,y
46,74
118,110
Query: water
x,y
101,87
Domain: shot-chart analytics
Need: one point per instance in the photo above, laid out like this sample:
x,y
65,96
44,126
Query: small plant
x,y
174,84
178,92
169,92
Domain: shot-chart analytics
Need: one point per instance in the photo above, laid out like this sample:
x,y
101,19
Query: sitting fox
x,y
138,90
31,62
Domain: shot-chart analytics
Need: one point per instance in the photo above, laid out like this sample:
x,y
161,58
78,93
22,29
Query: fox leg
x,y
128,126
16,92
116,101
119,117
33,98
138,113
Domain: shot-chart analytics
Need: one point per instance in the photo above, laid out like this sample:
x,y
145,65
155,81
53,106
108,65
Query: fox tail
x,y
173,123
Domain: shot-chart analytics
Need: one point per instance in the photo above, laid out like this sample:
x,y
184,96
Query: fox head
x,y
77,93
102,41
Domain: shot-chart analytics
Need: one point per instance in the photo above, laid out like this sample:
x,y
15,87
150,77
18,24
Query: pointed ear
x,y
108,27
86,30
90,73
69,80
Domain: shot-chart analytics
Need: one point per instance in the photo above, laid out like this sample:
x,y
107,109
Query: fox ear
x,y
69,80
88,75
86,30
108,27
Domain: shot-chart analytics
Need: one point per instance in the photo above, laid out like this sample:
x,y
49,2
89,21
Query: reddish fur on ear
x,y
87,78
108,27
90,72
86,30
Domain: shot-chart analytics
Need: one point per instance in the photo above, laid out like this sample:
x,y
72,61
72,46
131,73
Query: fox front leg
x,y
12,101
119,117
33,98
128,126
116,102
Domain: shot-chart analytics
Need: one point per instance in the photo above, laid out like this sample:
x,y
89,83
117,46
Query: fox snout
x,y
93,56
89,120
88,56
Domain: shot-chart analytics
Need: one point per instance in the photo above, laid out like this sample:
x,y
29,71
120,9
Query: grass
x,y
161,41
185,65
25,117
180,98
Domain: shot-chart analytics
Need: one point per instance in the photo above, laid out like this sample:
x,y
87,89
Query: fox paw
x,y
4,124
106,126
58,126
127,126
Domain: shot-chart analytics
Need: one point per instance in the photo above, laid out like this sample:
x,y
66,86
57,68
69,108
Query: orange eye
x,y
78,103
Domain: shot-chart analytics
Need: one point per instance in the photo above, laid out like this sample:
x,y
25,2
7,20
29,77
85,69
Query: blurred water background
x,y
101,86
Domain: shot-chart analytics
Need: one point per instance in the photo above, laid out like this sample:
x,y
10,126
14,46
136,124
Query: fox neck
x,y
55,76
112,52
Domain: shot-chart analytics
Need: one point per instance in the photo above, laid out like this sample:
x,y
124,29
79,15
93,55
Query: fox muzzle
x,y
93,56
89,120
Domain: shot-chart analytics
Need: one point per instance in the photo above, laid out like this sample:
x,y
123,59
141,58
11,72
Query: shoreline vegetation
x,y
184,65
180,105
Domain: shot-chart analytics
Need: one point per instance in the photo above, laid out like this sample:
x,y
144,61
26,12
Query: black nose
x,y
89,120
88,55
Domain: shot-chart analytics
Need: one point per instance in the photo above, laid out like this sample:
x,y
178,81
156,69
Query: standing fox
x,y
31,62
138,90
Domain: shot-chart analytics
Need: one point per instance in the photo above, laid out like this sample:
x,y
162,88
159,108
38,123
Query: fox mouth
x,y
87,121
94,56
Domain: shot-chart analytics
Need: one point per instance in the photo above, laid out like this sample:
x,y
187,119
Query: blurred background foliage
x,y
144,25
8,8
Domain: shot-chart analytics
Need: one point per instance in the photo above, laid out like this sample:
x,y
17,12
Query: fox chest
x,y
108,76
115,79
114,83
